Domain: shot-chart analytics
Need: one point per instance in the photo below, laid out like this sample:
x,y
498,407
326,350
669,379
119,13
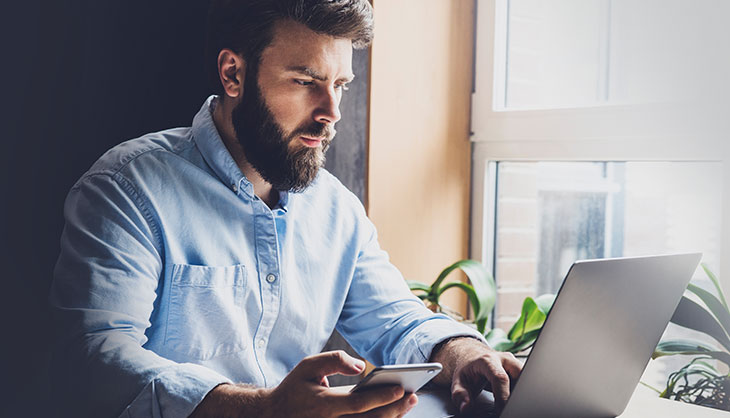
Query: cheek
x,y
290,110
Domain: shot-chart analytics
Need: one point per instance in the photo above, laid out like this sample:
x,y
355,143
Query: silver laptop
x,y
599,336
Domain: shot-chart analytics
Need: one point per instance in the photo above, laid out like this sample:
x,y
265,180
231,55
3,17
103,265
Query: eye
x,y
343,87
303,82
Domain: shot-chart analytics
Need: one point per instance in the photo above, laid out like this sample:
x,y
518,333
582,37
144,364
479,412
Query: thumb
x,y
315,368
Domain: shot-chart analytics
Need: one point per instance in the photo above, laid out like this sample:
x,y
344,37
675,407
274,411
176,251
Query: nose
x,y
328,107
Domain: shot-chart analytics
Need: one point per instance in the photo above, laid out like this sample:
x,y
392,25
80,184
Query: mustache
x,y
316,130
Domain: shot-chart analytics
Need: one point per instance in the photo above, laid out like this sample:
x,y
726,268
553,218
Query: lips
x,y
310,141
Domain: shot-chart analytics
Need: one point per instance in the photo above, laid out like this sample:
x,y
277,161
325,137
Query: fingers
x,y
466,385
496,369
314,368
499,380
512,366
366,400
459,393
394,409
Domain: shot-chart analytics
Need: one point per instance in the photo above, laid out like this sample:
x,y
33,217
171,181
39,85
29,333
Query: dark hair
x,y
246,26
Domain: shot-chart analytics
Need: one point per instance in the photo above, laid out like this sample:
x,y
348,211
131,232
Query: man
x,y
197,257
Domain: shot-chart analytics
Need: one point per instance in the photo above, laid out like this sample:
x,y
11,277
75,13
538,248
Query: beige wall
x,y
419,151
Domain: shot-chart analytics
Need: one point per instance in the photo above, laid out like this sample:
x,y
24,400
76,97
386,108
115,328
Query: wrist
x,y
454,352
455,346
232,401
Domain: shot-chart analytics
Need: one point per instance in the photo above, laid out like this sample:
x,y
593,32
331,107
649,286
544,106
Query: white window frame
x,y
650,132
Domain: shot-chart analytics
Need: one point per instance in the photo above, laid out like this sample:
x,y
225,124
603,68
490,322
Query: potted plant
x,y
701,381
482,293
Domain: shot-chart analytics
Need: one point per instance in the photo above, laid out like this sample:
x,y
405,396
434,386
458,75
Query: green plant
x,y
481,291
700,382
524,332
482,294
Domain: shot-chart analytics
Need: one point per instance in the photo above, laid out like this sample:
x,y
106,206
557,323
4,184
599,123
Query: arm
x,y
382,319
306,393
104,291
387,324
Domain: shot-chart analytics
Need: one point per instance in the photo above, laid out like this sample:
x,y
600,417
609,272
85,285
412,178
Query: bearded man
x,y
202,269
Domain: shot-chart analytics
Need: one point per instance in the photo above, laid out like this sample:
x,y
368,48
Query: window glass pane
x,y
550,214
556,53
574,53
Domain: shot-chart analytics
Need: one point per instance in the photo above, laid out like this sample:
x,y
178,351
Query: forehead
x,y
295,45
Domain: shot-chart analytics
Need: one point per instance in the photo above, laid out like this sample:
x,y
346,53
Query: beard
x,y
276,155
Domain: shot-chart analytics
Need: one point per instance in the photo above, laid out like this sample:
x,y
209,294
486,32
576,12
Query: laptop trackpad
x,y
437,404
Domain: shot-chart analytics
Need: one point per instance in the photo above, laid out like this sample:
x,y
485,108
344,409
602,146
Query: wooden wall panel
x,y
419,150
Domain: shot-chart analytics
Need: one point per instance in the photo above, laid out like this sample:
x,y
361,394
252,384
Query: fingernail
x,y
462,407
413,401
359,364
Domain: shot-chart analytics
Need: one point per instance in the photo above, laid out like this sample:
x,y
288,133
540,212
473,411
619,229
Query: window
x,y
549,214
599,129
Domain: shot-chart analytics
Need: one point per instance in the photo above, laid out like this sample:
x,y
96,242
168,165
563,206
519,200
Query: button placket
x,y
268,259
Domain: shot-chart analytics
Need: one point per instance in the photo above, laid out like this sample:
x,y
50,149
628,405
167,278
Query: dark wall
x,y
78,78
347,157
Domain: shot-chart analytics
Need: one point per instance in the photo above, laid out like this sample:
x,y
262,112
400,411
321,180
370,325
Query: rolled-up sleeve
x,y
104,291
383,320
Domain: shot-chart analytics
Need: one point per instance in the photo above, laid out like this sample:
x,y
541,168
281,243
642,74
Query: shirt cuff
x,y
421,341
175,392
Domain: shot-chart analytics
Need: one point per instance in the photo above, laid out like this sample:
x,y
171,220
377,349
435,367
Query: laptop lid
x,y
606,321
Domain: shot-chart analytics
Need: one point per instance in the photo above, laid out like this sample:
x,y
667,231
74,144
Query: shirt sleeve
x,y
383,320
103,294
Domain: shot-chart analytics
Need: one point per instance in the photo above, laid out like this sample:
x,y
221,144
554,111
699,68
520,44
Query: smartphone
x,y
410,377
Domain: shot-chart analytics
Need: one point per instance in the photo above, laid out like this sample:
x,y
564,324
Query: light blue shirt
x,y
174,277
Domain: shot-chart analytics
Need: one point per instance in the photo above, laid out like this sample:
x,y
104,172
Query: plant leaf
x,y
678,345
418,286
445,272
527,340
691,315
688,347
473,298
495,333
716,282
518,328
545,302
534,312
498,340
707,365
483,284
714,304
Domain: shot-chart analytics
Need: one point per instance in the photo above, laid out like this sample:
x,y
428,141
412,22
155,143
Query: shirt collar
x,y
215,153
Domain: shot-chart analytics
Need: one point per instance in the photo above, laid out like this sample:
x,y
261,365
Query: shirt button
x,y
271,278
261,343
235,188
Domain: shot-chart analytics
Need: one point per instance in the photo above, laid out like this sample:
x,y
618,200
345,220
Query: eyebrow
x,y
316,75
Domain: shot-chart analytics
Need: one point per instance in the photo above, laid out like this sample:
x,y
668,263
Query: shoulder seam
x,y
129,188
128,159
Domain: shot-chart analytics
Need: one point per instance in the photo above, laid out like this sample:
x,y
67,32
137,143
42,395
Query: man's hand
x,y
305,392
473,366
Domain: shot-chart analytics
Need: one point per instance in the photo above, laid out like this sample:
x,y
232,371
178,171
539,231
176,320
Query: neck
x,y
224,124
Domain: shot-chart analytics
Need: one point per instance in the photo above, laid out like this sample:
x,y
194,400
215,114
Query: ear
x,y
232,72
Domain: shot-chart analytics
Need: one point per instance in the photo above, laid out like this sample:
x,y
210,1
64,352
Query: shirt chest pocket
x,y
206,316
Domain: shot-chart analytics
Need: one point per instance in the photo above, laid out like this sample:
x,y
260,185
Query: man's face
x,y
285,120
